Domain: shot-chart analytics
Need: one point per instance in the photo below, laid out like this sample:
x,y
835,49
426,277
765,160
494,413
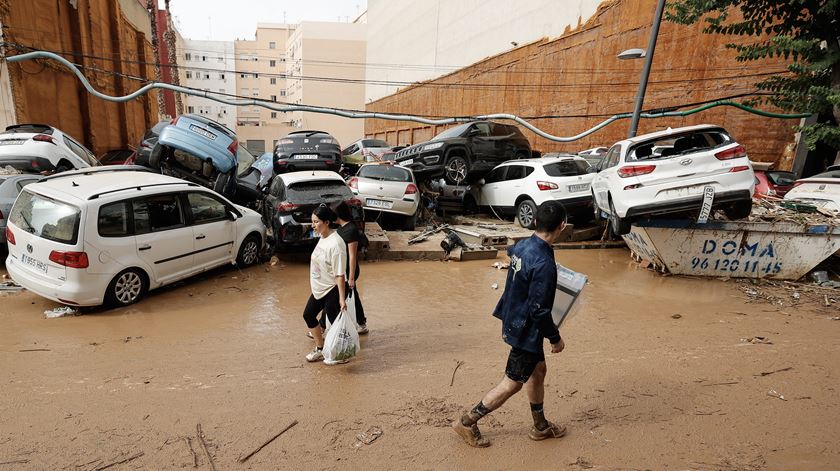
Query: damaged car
x,y
40,148
821,190
307,150
203,151
388,188
669,172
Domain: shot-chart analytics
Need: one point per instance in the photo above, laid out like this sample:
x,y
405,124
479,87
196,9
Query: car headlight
x,y
432,146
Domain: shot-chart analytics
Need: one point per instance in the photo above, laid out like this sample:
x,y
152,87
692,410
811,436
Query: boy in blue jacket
x,y
525,312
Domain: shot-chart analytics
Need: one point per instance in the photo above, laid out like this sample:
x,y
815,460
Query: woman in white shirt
x,y
327,268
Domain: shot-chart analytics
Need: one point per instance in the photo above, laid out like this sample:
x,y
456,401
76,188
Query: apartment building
x,y
325,68
209,66
261,67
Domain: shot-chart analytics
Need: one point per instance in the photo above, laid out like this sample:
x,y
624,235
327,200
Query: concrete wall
x,y
579,78
209,65
410,41
106,35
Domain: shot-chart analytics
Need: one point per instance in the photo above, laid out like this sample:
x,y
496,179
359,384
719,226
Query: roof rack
x,y
99,169
139,188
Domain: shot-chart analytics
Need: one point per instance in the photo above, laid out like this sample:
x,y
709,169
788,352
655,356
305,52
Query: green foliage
x,y
804,32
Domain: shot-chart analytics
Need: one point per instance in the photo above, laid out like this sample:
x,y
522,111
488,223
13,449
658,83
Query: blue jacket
x,y
525,305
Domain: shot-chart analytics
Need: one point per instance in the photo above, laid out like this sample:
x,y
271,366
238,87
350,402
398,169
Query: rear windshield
x,y
374,143
567,168
386,173
316,191
29,129
46,218
781,178
672,146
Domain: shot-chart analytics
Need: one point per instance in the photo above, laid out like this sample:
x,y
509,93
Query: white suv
x,y
42,149
668,172
517,187
111,234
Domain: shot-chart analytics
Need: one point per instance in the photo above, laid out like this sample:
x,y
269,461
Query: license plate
x,y
306,157
706,208
379,204
11,142
406,162
581,187
36,264
203,132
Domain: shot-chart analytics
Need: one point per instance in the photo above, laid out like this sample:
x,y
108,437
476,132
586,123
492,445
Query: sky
x,y
226,20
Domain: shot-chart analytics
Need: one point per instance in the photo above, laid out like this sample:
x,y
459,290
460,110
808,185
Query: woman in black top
x,y
352,238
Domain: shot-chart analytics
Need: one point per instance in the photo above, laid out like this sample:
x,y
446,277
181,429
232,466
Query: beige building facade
x,y
260,66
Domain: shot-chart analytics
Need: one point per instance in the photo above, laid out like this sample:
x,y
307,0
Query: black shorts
x,y
521,364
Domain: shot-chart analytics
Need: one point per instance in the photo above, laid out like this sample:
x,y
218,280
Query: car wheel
x,y
618,225
410,222
595,208
456,169
249,251
127,287
221,184
156,157
470,205
526,214
738,210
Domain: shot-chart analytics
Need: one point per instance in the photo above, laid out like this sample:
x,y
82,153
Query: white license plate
x,y
306,157
581,187
36,264
203,132
406,162
11,142
379,204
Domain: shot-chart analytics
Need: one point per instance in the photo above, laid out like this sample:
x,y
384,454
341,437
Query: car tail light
x,y
70,259
329,162
544,186
353,184
411,189
740,168
10,236
285,206
734,153
633,187
43,138
354,202
635,170
233,147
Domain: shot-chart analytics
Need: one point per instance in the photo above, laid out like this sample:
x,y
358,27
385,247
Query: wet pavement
x,y
638,386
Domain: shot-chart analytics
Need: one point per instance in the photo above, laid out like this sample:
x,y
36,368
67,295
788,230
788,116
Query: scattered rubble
x,y
61,312
10,286
757,340
774,393
368,437
495,286
776,210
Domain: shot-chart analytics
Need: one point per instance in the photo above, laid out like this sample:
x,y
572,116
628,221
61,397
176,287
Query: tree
x,y
806,32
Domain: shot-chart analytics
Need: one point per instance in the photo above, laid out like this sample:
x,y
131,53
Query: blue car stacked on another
x,y
203,151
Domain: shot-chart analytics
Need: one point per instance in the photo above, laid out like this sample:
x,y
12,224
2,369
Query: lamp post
x,y
648,55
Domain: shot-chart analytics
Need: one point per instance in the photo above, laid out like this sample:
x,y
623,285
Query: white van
x,y
110,234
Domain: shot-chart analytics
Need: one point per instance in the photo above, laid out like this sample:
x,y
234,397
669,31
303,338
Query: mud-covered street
x,y
657,374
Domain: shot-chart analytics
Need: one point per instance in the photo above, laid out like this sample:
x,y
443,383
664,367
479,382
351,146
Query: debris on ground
x,y
676,316
427,233
61,312
10,286
757,340
249,455
9,170
495,286
775,210
368,437
501,265
774,393
789,293
582,463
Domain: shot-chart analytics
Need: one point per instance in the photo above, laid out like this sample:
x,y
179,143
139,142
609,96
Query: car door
x,y
503,139
510,188
488,192
162,237
602,180
213,230
483,146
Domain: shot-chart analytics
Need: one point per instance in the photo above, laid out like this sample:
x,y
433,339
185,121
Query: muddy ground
x,y
657,374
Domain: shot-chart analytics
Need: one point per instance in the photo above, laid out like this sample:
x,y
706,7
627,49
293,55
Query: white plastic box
x,y
569,285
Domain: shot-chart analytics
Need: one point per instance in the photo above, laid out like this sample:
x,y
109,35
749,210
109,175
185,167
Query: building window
x,y
272,45
188,56
273,81
273,114
221,90
189,74
272,63
273,97
241,75
203,58
282,92
190,109
220,59
224,110
256,75
207,76
221,76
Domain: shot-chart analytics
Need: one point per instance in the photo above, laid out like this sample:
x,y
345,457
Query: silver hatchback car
x,y
388,188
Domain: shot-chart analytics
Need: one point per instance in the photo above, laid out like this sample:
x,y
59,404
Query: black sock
x,y
473,416
539,416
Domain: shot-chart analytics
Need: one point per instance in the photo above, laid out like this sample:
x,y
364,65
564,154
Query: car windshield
x,y
386,173
675,145
244,160
374,143
452,132
567,168
316,191
46,218
29,129
781,178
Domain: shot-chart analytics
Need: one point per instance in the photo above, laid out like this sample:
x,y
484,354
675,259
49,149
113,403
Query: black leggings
x,y
360,311
328,304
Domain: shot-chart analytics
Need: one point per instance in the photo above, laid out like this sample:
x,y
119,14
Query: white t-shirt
x,y
329,259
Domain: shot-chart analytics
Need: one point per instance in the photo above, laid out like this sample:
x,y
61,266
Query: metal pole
x,y
640,95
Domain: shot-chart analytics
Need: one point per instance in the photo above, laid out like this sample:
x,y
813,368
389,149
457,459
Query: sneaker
x,y
315,355
471,435
335,362
552,431
362,329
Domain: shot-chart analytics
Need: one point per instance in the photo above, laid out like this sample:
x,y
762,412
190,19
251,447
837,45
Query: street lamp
x,y
648,55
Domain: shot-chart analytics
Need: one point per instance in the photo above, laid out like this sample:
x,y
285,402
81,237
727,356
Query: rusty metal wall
x,y
45,92
582,77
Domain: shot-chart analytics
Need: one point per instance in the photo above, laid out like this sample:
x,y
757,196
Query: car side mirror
x,y
232,215
480,182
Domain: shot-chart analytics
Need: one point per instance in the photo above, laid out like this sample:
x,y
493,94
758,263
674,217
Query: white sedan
x,y
42,149
822,190
518,187
387,188
669,172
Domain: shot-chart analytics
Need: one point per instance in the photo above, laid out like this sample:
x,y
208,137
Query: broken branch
x,y
14,462
35,350
125,460
767,373
455,371
249,455
200,435
192,450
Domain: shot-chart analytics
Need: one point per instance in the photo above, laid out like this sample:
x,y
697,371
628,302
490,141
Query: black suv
x,y
307,150
465,153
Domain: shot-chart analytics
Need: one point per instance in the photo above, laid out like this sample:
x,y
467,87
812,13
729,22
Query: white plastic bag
x,y
342,341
